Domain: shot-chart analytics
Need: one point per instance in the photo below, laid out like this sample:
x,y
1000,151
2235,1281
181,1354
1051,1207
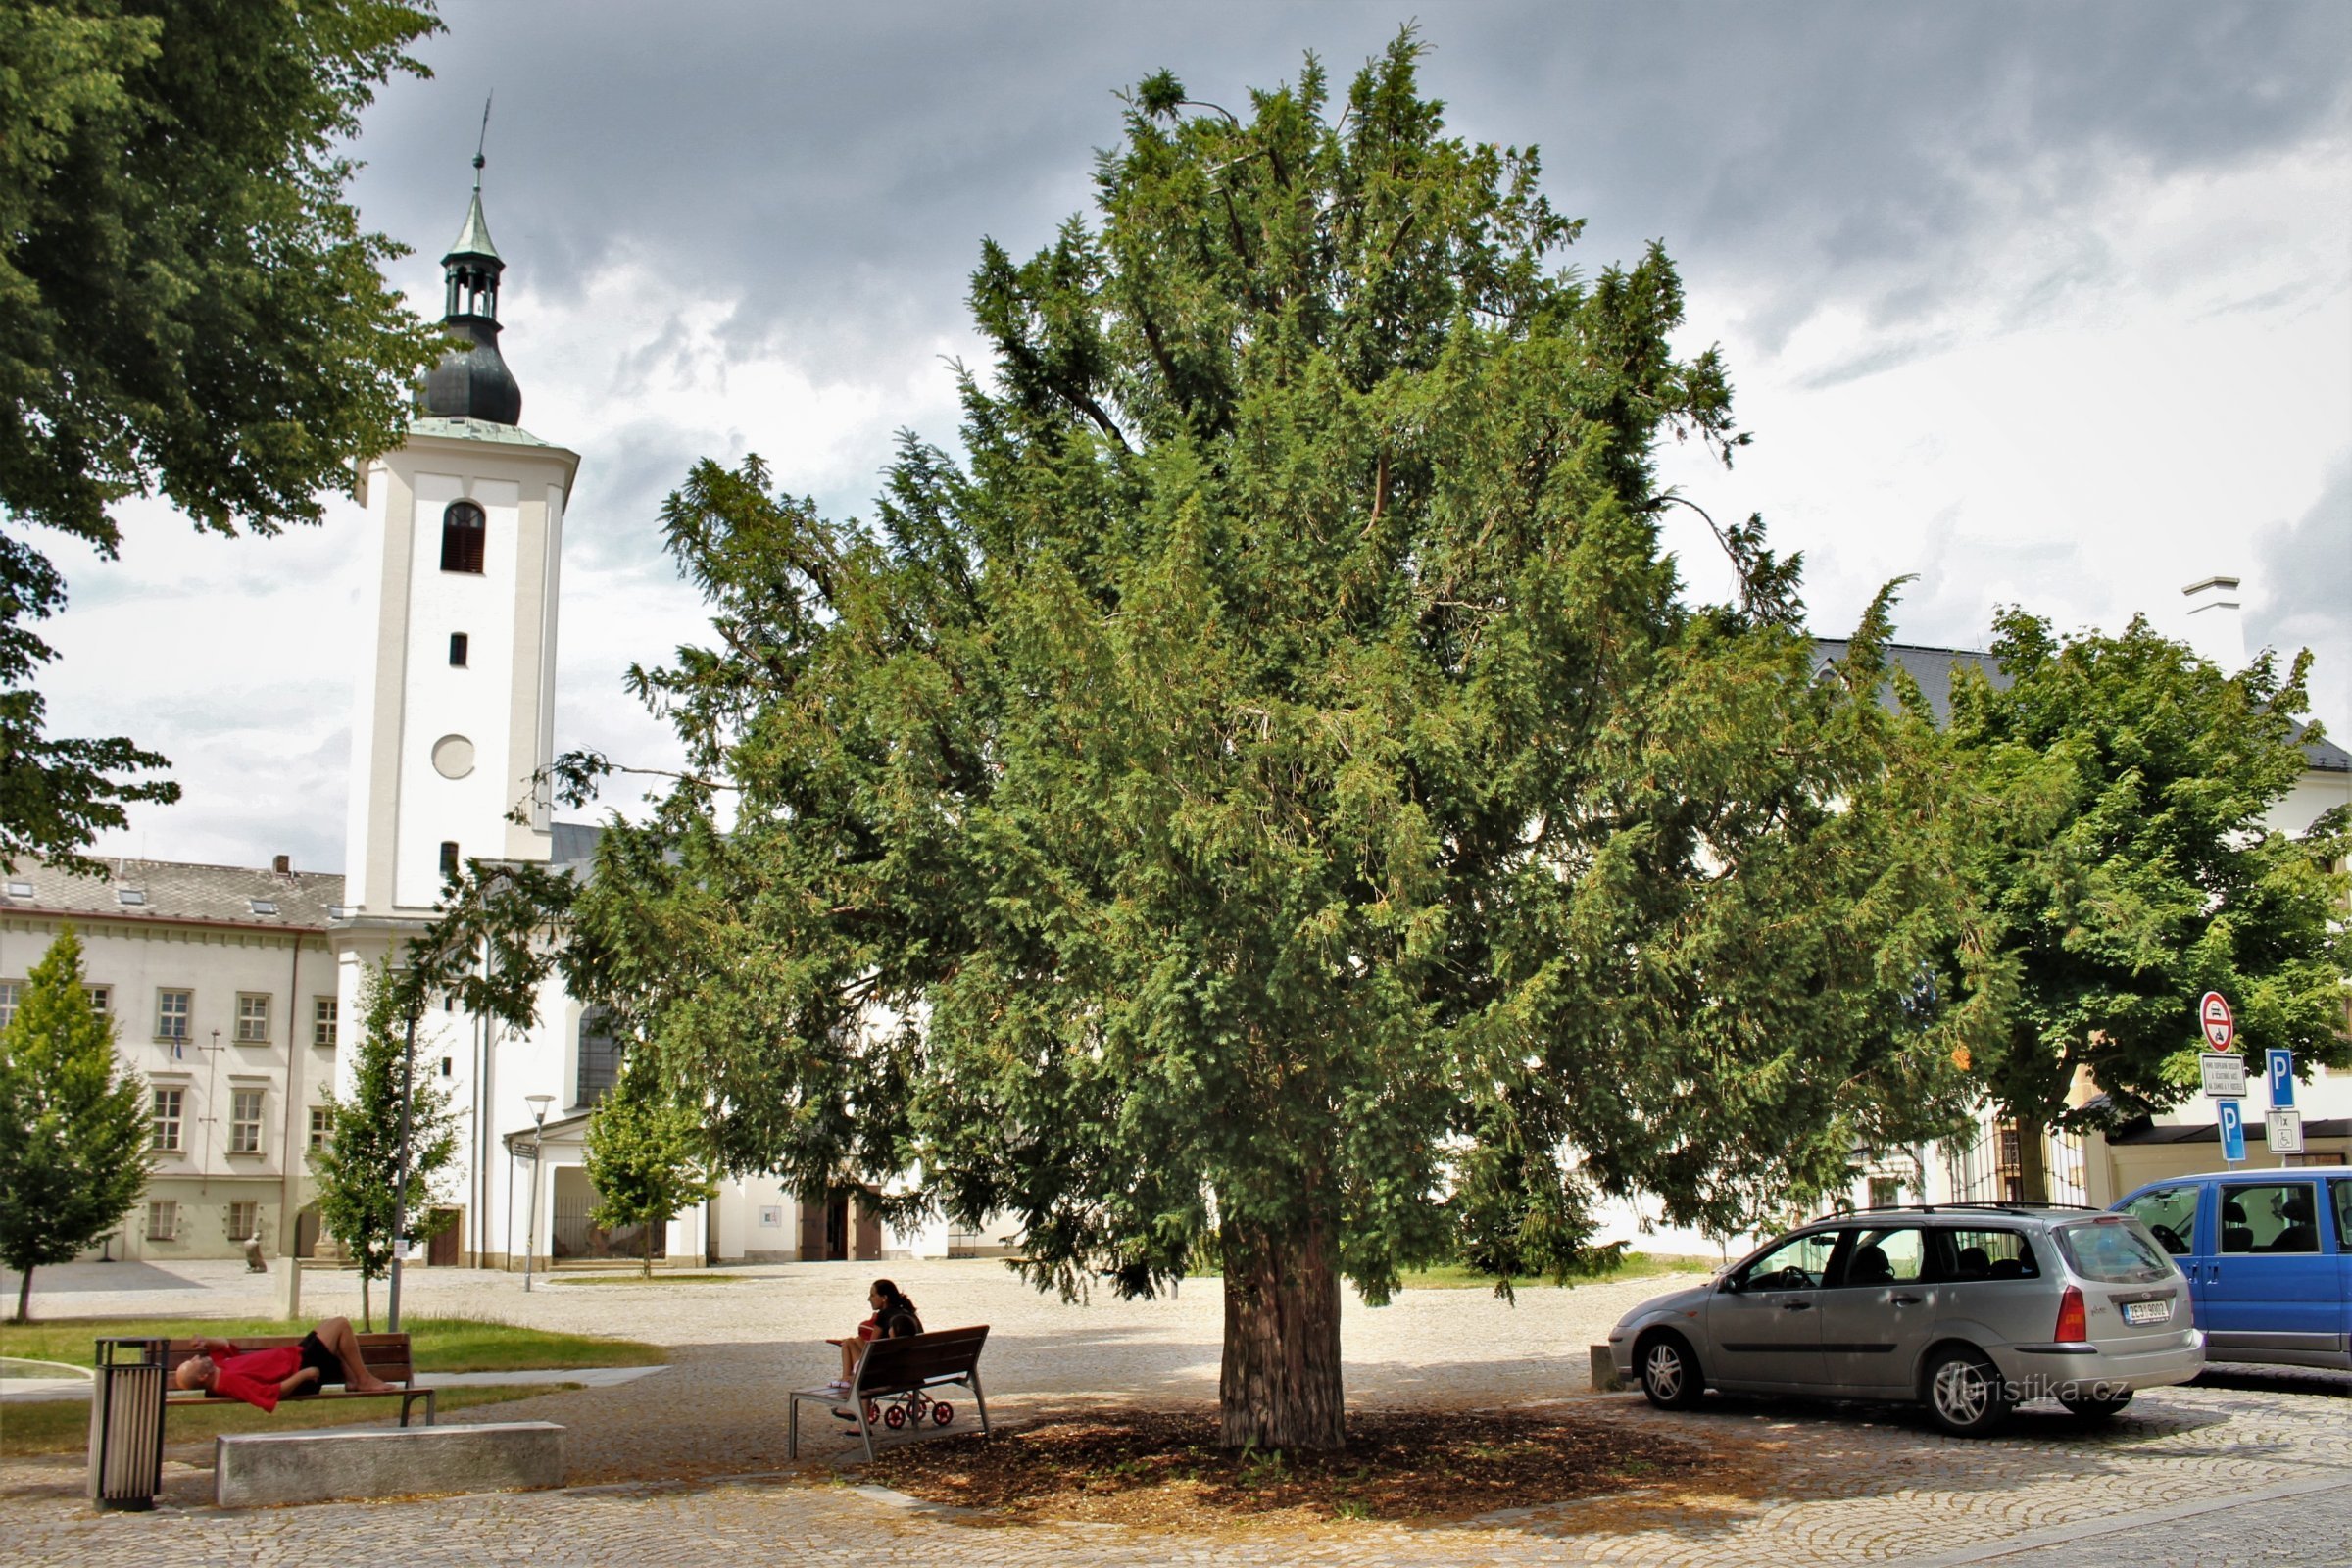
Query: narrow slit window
x,y
457,648
449,858
462,529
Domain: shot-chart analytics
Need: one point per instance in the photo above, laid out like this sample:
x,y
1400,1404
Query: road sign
x,y
2285,1132
2225,1075
2232,1123
2279,1073
2220,1024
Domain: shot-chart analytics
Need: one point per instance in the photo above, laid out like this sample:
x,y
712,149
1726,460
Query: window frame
x,y
253,1029
167,1209
322,1123
2224,1192
176,1121
326,1016
245,1132
101,999
1843,1261
460,650
253,1220
12,997
187,1016
465,537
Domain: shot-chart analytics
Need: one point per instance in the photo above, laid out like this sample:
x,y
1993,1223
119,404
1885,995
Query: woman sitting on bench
x,y
894,1319
329,1353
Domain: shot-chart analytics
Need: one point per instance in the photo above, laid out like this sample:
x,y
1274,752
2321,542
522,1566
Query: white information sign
x,y
2285,1132
2225,1074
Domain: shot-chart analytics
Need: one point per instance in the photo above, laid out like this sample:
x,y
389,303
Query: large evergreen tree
x,y
74,1124
187,307
357,1167
2134,872
1271,794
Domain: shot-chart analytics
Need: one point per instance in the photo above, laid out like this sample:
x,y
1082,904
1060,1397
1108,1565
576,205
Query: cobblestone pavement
x,y
689,1467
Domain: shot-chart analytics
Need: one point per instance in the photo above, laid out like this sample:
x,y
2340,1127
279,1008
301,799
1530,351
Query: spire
x,y
472,382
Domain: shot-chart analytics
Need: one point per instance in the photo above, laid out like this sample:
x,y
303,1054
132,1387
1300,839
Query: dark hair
x,y
892,1296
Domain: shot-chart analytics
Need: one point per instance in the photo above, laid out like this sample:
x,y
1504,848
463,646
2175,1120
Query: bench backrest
x,y
386,1355
891,1365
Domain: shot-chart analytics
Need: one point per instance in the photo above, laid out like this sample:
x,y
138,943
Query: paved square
x,y
687,1465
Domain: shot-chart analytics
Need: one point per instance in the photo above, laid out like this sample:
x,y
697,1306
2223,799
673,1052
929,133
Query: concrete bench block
x,y
1604,1371
263,1469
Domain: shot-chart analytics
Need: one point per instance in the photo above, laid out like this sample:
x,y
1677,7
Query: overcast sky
x,y
2046,304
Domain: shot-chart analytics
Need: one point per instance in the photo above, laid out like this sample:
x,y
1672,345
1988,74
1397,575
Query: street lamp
x,y
530,1227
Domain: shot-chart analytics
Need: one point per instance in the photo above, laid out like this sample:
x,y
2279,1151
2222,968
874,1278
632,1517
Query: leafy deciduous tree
x,y
1272,792
644,1157
188,306
74,1126
2135,873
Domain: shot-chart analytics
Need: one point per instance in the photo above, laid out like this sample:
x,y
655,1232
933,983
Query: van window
x,y
2171,1215
2270,1217
2113,1251
2343,1214
1989,1254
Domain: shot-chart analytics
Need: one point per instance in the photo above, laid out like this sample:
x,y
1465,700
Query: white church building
x,y
234,988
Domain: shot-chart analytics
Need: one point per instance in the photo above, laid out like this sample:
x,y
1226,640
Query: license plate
x,y
2148,1312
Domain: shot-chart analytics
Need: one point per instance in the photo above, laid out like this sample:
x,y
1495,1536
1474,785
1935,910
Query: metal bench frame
x,y
890,1368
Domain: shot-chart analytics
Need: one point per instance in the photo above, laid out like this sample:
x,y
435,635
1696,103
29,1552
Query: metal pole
x,y
399,1186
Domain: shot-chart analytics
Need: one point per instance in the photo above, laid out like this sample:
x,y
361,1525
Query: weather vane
x,y
482,141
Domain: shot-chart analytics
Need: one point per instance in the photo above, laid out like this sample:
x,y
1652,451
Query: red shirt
x,y
254,1376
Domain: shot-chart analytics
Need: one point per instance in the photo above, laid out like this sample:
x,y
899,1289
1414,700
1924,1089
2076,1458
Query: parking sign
x,y
2280,1072
2233,1122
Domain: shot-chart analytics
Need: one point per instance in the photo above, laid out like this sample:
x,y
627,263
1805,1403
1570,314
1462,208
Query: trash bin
x,y
127,1424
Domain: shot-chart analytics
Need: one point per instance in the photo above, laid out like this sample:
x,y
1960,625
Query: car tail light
x,y
2073,1322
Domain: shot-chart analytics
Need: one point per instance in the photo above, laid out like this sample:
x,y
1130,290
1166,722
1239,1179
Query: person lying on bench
x,y
329,1353
894,1319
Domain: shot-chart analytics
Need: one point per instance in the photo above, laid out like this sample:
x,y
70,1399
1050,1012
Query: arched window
x,y
462,529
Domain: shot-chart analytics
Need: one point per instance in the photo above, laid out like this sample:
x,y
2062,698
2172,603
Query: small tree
x,y
647,1158
358,1168
2135,872
73,1127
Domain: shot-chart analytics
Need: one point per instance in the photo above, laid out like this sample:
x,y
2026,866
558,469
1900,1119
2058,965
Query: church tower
x,y
454,716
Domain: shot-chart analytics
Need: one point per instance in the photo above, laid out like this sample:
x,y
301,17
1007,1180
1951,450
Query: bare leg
x,y
344,1345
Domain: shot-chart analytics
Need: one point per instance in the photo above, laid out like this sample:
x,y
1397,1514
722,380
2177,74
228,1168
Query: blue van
x,y
2269,1259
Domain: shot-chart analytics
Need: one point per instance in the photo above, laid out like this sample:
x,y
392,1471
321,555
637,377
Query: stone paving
x,y
689,1467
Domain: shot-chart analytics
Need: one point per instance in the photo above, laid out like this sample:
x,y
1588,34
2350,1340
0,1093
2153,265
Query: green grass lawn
x,y
63,1426
438,1343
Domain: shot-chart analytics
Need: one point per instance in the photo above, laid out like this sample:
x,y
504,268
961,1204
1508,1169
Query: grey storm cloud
x,y
834,168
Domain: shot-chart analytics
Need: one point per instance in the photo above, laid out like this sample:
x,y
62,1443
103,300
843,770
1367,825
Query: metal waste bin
x,y
127,1424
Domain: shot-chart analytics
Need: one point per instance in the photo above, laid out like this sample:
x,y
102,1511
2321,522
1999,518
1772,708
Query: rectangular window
x,y
171,1010
169,1103
2114,1250
245,1121
1990,1254
457,648
1886,1192
319,1123
9,990
101,999
2270,1217
253,1018
322,1020
1894,1255
449,858
244,1220
600,1058
162,1221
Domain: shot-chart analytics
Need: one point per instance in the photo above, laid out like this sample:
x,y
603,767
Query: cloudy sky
x,y
2046,304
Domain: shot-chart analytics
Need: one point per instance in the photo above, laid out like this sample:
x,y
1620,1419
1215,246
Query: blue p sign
x,y
2233,1130
2280,1069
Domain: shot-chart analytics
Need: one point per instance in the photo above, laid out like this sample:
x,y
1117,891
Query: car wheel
x,y
1670,1376
1965,1397
2097,1409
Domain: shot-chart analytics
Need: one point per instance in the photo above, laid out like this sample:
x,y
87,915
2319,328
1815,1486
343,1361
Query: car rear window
x,y
2114,1251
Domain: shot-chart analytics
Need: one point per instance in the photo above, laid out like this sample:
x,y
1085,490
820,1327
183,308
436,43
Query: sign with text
x,y
2278,1070
2233,1122
2225,1075
2218,1021
2285,1129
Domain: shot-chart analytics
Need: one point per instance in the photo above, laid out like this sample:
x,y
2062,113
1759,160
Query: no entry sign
x,y
2221,1026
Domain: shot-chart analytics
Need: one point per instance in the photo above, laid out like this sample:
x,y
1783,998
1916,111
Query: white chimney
x,y
2215,627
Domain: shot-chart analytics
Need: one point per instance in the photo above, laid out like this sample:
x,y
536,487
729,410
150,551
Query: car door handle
x,y
1906,1301
1797,1307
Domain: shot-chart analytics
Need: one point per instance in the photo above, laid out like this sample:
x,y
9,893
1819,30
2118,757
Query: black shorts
x,y
315,1354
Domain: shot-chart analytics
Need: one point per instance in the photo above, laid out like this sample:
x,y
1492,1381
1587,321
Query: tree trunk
x,y
649,1248
2033,1158
24,1292
367,1311
1281,1386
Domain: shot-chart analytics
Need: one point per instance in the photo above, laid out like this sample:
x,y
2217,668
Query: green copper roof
x,y
474,238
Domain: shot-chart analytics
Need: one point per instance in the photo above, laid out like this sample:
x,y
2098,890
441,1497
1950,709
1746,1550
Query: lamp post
x,y
530,1226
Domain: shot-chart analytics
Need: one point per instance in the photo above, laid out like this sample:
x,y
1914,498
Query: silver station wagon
x,y
1970,1308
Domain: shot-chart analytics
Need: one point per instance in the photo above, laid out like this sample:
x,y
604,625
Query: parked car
x,y
2268,1254
1970,1308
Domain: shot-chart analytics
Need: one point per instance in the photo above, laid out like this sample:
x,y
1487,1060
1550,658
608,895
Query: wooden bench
x,y
893,1384
387,1355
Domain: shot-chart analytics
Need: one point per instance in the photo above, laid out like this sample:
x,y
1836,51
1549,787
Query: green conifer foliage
x,y
74,1125
357,1167
1271,795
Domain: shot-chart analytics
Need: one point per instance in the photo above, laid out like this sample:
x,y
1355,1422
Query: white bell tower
x,y
455,717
